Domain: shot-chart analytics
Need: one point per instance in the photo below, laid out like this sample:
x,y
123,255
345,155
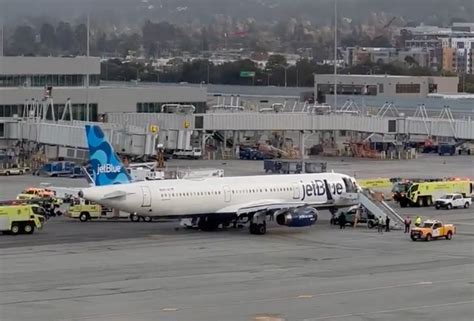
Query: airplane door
x,y
296,191
227,194
146,196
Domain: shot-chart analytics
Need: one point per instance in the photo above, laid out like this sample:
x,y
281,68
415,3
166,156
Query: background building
x,y
385,85
24,79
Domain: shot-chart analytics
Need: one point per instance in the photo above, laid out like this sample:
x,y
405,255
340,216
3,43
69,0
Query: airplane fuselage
x,y
181,198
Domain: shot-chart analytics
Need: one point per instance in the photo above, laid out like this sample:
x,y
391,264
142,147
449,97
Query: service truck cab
x,y
450,201
432,229
16,219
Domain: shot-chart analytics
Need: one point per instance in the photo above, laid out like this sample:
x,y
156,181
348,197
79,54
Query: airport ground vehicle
x,y
450,201
35,192
56,169
16,219
282,166
383,185
14,170
253,154
444,149
85,211
424,194
350,214
194,153
466,148
432,229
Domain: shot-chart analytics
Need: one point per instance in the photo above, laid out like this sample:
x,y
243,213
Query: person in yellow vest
x,y
418,221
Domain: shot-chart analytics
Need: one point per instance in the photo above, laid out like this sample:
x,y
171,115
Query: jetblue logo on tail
x,y
107,167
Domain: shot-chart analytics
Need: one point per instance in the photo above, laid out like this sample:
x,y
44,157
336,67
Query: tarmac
x,y
119,270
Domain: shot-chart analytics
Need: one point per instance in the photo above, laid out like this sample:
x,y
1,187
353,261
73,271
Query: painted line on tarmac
x,y
309,297
358,314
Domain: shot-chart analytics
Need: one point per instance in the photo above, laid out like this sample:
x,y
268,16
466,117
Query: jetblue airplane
x,y
291,200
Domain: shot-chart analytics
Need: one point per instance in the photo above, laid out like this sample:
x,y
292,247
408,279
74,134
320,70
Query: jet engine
x,y
298,217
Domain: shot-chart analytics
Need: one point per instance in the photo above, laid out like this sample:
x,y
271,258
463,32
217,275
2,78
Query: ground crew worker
x,y
342,221
418,221
357,216
407,224
381,224
387,224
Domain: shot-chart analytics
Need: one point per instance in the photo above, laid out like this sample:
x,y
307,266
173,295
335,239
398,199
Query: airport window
x,y
10,110
407,88
2,129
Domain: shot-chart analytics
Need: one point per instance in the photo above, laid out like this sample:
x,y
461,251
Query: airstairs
x,y
380,208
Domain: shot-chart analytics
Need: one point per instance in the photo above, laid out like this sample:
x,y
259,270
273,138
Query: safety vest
x,y
418,220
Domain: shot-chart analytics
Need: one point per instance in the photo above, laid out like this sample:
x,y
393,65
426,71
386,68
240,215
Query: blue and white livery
x,y
106,166
291,200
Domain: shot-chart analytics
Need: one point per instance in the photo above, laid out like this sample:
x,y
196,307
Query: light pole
x,y
335,53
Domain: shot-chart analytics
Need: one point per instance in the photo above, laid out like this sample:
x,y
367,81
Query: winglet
x,y
107,168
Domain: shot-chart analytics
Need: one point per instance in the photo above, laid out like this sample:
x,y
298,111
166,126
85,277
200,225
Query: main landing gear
x,y
258,224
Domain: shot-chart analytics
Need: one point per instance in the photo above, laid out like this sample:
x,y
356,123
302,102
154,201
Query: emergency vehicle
x,y
85,210
424,194
16,219
33,192
383,185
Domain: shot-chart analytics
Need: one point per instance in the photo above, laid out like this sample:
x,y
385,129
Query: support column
x,y
302,145
235,142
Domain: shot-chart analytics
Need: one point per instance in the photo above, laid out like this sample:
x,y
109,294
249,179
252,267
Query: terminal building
x,y
24,79
385,85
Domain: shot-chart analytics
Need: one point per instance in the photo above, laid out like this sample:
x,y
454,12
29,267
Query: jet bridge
x,y
380,208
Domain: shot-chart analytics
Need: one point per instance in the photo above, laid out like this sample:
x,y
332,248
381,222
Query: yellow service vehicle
x,y
16,219
432,230
424,194
382,185
85,210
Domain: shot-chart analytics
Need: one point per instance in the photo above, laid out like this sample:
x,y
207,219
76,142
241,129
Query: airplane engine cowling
x,y
305,216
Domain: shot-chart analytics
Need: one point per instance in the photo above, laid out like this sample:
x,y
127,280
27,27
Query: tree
x,y
48,36
275,62
65,36
80,39
411,61
23,41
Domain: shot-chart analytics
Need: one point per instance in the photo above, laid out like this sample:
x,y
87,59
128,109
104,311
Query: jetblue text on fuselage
x,y
318,188
108,168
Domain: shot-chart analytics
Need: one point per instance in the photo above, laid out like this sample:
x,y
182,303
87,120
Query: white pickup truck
x,y
450,201
194,153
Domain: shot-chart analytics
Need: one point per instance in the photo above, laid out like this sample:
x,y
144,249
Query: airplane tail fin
x,y
107,168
